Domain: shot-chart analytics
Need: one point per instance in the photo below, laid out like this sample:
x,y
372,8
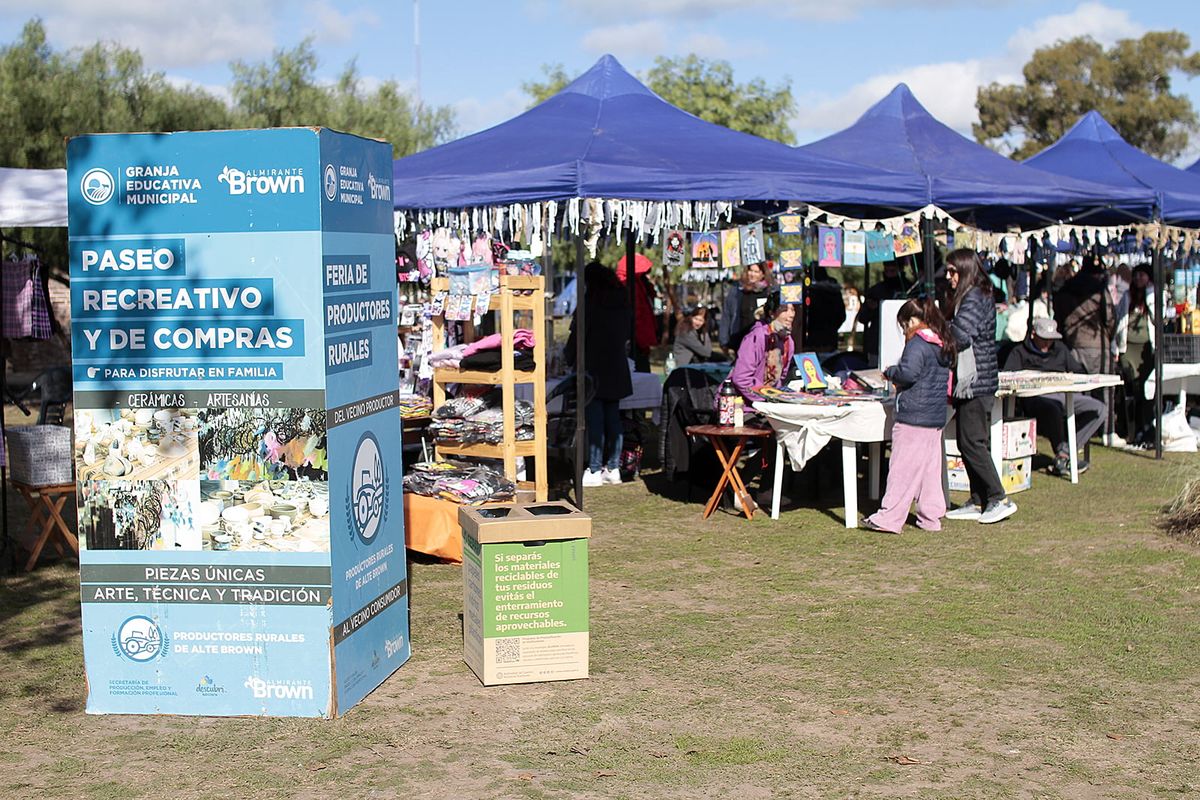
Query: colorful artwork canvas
x,y
791,293
753,249
706,249
829,242
854,249
791,259
879,247
674,249
908,240
731,248
808,369
791,224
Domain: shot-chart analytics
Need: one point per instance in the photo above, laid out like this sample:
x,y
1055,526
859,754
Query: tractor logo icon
x,y
368,489
140,639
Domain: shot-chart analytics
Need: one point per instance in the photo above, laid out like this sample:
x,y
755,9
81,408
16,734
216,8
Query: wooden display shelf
x,y
448,375
518,295
481,450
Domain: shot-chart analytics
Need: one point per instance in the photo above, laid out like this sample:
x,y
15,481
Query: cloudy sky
x,y
840,55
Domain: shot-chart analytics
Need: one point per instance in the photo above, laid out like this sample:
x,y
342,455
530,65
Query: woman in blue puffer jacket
x,y
972,313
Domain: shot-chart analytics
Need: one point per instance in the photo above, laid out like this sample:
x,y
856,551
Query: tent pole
x,y
580,374
630,278
927,235
1159,289
1033,291
4,346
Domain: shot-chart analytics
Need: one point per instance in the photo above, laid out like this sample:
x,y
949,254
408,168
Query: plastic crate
x,y
40,455
1181,348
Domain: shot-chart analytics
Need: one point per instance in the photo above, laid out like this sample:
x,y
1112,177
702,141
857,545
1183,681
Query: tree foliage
x,y
706,88
1128,83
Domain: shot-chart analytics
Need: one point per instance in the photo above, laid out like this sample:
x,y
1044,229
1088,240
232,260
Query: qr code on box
x,y
508,651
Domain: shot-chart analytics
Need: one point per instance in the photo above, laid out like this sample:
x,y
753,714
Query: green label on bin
x,y
529,591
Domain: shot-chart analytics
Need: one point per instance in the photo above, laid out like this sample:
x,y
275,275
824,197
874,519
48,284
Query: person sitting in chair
x,y
1044,351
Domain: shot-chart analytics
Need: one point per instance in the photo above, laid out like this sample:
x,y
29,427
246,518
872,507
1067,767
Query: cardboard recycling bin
x,y
525,592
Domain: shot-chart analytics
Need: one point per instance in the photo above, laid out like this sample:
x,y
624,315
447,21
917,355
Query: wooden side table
x,y
719,435
45,510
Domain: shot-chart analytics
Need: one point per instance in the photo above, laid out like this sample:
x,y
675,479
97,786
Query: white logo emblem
x,y
367,490
331,182
240,182
97,186
139,639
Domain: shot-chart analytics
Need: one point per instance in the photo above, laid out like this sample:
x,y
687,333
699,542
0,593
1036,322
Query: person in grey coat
x,y
973,324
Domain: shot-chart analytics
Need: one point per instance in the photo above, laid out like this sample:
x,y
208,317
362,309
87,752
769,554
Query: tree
x,y
708,90
286,92
704,88
1129,84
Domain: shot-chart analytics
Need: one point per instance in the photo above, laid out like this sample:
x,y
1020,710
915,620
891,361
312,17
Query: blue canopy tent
x,y
1195,167
608,136
1094,148
963,177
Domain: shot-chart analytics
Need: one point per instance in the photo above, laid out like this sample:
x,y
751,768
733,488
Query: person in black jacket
x,y
1044,351
605,340
923,379
973,325
824,313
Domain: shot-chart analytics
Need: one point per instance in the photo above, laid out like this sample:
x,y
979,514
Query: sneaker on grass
x,y
592,479
965,511
1001,509
611,476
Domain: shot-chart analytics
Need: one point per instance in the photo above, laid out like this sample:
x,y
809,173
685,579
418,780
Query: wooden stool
x,y
717,434
45,509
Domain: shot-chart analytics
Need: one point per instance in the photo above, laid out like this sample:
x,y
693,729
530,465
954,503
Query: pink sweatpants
x,y
914,474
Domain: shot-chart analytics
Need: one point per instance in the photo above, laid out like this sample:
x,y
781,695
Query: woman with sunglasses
x,y
972,313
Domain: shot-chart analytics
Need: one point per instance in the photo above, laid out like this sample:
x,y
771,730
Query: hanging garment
x,y
39,309
16,319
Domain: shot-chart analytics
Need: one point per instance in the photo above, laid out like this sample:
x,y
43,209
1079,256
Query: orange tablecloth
x,y
431,527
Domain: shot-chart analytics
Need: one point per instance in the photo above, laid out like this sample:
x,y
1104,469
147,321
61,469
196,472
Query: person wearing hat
x,y
1044,351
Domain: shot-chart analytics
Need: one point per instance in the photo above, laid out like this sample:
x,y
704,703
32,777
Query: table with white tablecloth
x,y
1183,378
803,430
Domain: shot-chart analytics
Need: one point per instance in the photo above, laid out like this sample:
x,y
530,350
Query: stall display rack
x,y
518,294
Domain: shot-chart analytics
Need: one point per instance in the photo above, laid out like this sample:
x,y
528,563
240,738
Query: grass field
x,y
1055,655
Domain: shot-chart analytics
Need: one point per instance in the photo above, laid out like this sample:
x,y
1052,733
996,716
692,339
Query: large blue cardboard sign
x,y
233,298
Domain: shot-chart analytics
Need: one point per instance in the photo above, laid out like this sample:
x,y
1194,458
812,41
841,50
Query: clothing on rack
x,y
490,361
522,340
25,313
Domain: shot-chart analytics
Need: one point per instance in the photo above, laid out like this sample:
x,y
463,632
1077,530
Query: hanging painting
x,y
908,241
705,250
791,293
830,244
752,243
791,224
674,249
879,247
731,250
854,249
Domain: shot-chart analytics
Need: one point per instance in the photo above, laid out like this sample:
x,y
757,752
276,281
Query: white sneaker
x,y
592,479
611,476
1001,509
967,510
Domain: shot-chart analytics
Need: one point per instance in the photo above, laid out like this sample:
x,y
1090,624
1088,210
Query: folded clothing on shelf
x,y
522,340
468,484
489,361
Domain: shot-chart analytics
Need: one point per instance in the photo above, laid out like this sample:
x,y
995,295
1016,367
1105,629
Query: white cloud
x,y
691,9
474,115
331,26
167,34
706,45
949,89
633,39
217,90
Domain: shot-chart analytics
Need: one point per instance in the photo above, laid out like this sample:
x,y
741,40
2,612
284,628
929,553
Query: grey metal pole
x,y
580,375
1159,288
